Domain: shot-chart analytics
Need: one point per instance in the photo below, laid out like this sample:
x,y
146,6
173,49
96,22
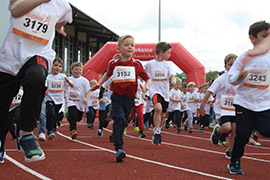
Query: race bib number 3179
x,y
35,26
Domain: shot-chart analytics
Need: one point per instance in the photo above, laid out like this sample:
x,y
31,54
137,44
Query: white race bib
x,y
190,100
226,103
257,78
56,86
124,74
74,96
160,75
176,97
17,99
35,26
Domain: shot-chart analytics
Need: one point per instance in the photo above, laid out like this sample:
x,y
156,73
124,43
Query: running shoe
x,y
125,131
120,155
31,148
90,125
235,168
228,154
215,136
201,128
157,139
73,134
100,133
51,135
178,129
167,125
141,134
254,141
2,155
42,137
222,143
136,129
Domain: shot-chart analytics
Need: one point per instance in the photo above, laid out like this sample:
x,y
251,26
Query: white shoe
x,y
254,142
42,137
51,136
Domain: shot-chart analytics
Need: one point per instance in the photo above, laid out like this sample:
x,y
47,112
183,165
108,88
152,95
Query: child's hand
x,y
95,87
84,101
101,100
242,75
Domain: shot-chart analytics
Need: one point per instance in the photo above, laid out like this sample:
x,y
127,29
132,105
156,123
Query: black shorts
x,y
225,119
157,98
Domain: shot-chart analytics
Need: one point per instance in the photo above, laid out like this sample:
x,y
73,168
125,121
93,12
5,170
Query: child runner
x,y
204,119
223,108
160,73
125,72
191,99
25,56
175,105
252,101
77,97
93,105
56,82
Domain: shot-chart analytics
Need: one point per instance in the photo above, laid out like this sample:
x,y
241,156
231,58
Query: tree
x,y
211,75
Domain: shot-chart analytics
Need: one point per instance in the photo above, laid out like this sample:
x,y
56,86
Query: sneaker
x,y
120,155
178,129
136,129
254,142
228,154
111,138
235,168
215,136
190,131
141,134
51,136
201,128
31,148
90,125
2,155
42,137
100,133
222,143
125,131
167,126
145,125
74,134
157,139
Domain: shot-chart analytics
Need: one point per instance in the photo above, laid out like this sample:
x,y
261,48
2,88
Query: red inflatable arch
x,y
146,51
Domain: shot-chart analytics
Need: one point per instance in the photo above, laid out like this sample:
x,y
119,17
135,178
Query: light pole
x,y
159,20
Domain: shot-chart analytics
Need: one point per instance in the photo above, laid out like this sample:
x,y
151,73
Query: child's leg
x,y
72,117
139,112
50,113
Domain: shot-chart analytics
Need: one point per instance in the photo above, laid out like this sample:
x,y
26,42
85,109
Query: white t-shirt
x,y
56,84
159,73
225,93
173,106
191,104
107,84
93,99
207,104
39,26
75,95
253,92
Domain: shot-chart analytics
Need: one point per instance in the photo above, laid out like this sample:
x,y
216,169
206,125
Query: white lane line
x,y
193,148
60,150
258,154
147,160
23,167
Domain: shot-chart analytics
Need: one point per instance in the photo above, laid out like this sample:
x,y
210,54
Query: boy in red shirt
x,y
125,71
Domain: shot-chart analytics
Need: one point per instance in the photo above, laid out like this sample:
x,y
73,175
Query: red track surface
x,y
180,156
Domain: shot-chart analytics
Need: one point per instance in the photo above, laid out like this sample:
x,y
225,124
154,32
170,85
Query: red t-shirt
x,y
125,76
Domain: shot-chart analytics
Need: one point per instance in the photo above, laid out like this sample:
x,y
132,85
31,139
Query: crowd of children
x,y
152,91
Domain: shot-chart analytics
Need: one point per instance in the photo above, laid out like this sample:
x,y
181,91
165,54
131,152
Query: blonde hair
x,y
76,64
229,57
122,38
177,79
191,83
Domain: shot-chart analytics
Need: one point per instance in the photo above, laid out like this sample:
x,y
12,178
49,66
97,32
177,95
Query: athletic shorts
x,y
225,119
157,98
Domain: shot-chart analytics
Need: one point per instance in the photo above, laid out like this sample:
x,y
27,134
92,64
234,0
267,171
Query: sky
x,y
208,29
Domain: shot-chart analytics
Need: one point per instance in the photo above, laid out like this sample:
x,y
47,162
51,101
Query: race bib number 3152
x,y
124,74
35,26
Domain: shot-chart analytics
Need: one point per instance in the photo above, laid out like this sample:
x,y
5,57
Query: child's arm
x,y
21,7
260,48
173,80
69,82
205,99
87,95
147,85
59,27
104,78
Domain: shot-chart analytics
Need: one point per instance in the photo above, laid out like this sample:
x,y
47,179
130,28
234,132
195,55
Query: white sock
x,y
157,130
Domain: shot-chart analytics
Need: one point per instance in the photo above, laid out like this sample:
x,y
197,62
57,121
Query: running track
x,y
181,156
